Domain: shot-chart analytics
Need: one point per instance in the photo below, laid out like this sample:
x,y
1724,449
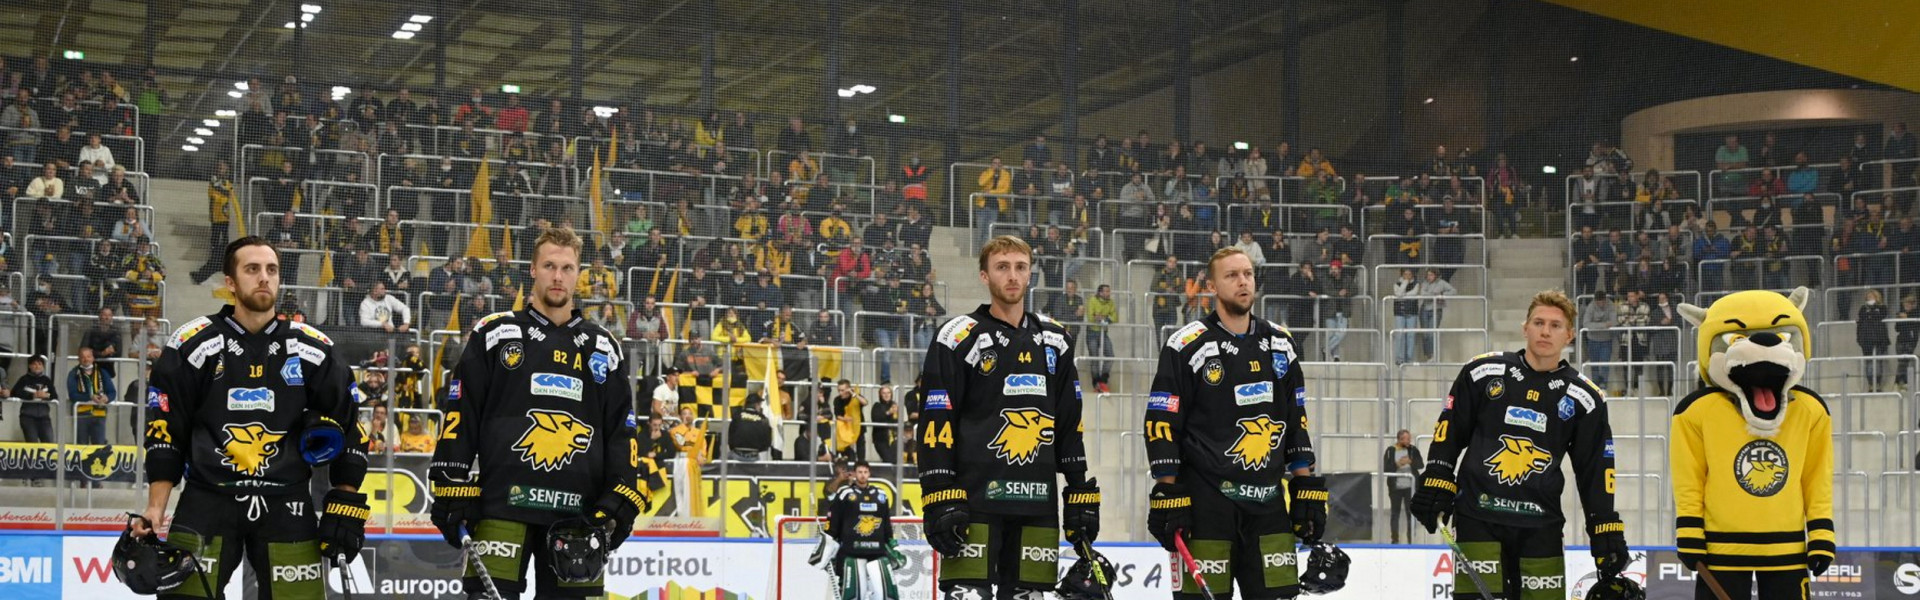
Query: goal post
x,y
794,538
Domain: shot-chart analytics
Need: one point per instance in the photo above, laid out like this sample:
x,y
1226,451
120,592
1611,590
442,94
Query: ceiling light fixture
x,y
202,131
409,26
210,122
190,148
402,35
235,93
310,8
420,18
196,140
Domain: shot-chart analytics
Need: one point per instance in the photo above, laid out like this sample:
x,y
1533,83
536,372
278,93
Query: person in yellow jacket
x,y
1751,453
598,281
1315,164
144,275
752,223
220,199
996,180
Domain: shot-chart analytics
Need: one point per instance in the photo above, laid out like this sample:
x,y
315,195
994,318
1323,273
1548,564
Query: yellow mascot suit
x,y
1752,453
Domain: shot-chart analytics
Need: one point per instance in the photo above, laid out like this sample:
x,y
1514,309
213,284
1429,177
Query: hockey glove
x,y
1609,539
1308,509
343,525
1169,511
1434,501
616,511
455,506
1081,515
895,559
947,516
322,440
1690,533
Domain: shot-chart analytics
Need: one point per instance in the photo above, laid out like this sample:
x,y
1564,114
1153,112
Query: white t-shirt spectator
x,y
378,314
90,154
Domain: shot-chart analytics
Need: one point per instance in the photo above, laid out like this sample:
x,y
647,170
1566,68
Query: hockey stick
x,y
346,576
1706,574
473,558
1085,548
1193,566
1460,562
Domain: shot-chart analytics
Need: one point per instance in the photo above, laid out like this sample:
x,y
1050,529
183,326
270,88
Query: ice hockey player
x,y
1752,452
540,396
1002,418
860,522
1225,421
1515,415
244,407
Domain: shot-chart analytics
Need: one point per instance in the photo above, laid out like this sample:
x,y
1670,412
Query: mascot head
x,y
1754,345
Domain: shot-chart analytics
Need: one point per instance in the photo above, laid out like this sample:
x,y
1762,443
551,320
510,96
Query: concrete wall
x,y
1647,135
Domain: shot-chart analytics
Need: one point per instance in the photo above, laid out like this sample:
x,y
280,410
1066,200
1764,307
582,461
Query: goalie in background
x,y
859,538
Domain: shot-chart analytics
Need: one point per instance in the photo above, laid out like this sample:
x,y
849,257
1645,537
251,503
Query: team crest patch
x,y
1496,388
1052,357
1213,372
552,440
1566,408
1259,436
1279,365
1516,460
1761,468
1022,433
250,447
512,355
988,360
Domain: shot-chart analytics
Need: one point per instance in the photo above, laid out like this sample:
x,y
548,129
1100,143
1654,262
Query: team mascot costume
x,y
1752,453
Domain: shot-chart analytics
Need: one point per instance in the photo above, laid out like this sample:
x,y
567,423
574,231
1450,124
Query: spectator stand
x,y
64,207
259,163
439,140
776,160
1746,175
142,182
1689,183
1317,332
1845,302
865,196
130,146
1300,221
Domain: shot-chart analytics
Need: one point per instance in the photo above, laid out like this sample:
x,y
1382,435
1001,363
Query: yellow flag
x,y
481,203
520,298
596,198
506,244
326,269
239,224
666,312
453,317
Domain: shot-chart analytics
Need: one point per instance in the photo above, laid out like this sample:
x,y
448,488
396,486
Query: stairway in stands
x,y
1520,268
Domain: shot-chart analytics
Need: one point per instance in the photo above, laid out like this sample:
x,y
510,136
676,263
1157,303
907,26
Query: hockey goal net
x,y
794,539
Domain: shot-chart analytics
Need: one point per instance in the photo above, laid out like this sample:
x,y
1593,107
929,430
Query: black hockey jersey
x,y
860,519
228,407
1229,411
1515,424
1002,414
547,410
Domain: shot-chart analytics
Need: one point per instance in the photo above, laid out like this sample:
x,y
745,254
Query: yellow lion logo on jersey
x,y
249,447
553,439
1517,460
1020,439
1763,475
157,429
1258,437
867,525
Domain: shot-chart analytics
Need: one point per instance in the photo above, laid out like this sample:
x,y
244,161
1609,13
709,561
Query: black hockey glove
x,y
947,516
1308,508
1080,517
1169,512
343,525
615,512
1609,537
1434,500
455,506
1817,559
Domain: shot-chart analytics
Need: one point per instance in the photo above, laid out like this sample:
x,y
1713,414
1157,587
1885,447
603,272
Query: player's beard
x,y
548,299
255,301
1006,298
1229,307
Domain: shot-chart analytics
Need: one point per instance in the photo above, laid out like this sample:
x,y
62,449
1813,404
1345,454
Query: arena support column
x,y
1496,106
1070,83
1395,82
1183,70
956,28
832,78
1290,73
577,53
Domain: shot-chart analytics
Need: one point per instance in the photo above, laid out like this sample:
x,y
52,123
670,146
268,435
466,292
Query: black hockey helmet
x,y
147,565
1081,582
1616,587
1326,570
579,550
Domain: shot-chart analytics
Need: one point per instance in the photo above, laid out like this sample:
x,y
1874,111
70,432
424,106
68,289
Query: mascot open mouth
x,y
1763,384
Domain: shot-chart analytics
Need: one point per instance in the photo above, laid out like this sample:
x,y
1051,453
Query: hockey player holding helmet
x,y
541,399
1515,414
1225,420
244,408
1001,419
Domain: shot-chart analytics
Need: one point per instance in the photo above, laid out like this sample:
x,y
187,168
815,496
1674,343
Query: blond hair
x,y
1220,254
559,236
1555,299
1003,244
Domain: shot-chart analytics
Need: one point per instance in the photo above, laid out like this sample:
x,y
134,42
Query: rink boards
x,y
43,565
